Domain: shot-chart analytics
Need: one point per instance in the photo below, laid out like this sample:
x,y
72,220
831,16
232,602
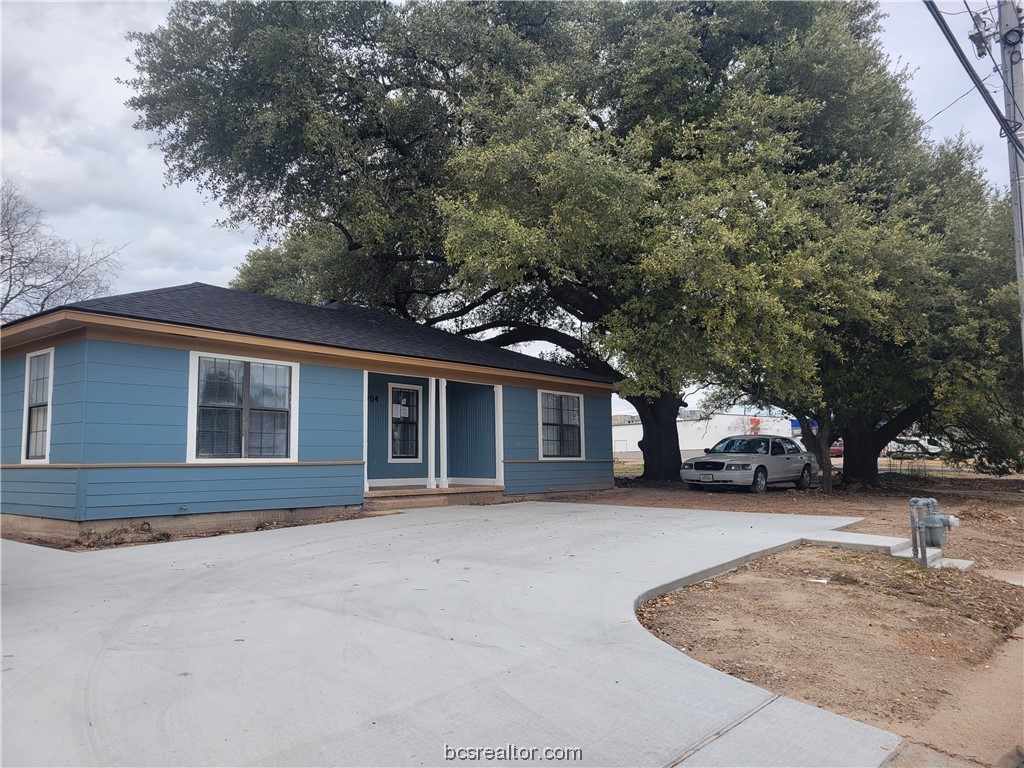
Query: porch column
x,y
431,432
443,418
499,436
366,430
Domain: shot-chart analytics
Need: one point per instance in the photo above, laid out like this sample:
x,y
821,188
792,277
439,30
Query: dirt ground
x,y
935,656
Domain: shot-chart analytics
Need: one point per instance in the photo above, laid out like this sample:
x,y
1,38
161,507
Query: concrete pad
x,y
397,641
931,554
952,562
863,541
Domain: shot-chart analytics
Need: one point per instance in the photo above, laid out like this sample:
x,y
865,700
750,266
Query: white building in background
x,y
697,433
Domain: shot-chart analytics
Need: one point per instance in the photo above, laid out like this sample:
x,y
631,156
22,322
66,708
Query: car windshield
x,y
741,445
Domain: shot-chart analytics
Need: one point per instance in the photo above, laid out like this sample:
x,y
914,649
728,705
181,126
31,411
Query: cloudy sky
x,y
68,138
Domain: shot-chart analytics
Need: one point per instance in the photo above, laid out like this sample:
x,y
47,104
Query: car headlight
x,y
737,467
687,466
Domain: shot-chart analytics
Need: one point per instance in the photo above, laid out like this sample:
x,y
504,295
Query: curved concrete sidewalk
x,y
396,641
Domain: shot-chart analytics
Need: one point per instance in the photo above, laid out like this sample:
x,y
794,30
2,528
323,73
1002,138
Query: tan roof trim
x,y
20,339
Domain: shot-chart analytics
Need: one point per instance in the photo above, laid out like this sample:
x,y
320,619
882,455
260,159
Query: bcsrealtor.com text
x,y
513,752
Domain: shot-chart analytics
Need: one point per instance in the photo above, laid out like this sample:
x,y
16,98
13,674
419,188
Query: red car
x,y
836,449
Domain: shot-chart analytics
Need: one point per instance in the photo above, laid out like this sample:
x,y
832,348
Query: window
x,y
561,420
405,422
777,448
791,447
243,409
38,394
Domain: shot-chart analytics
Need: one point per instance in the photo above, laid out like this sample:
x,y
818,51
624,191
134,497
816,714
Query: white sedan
x,y
752,462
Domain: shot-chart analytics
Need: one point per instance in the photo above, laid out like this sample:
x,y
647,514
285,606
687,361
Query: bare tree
x,y
38,268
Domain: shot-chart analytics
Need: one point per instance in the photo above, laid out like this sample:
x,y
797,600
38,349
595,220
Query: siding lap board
x,y
330,414
12,406
146,491
150,384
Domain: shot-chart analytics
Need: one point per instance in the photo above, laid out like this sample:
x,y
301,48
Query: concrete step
x,y
932,554
950,562
391,499
863,541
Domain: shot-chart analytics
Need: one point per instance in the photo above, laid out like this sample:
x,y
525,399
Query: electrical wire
x,y
1011,135
966,93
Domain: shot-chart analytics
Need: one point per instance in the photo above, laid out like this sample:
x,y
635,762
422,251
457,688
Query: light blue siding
x,y
470,430
12,408
40,492
330,414
379,426
520,417
136,408
597,416
67,432
557,476
145,491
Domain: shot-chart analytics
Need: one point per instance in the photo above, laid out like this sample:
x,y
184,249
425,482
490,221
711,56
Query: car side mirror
x,y
707,450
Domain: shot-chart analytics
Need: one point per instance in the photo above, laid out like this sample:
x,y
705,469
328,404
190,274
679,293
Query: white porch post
x,y
431,433
443,418
499,436
366,429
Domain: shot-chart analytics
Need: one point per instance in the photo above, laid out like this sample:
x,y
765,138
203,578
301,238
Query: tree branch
x,y
465,309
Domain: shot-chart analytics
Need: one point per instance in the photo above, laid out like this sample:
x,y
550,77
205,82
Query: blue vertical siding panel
x,y
558,476
40,492
67,420
597,415
519,406
136,408
379,426
120,492
12,408
470,430
330,414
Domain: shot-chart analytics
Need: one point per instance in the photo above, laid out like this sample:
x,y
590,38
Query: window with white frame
x,y
244,409
561,420
405,422
38,395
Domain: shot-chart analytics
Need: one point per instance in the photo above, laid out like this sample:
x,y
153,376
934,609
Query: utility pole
x,y
1010,37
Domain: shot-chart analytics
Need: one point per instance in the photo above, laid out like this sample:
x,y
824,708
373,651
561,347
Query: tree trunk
x,y
660,443
818,443
860,454
864,440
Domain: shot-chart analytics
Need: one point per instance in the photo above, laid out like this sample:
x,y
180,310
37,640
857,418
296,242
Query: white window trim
x,y
393,385
540,427
49,408
193,412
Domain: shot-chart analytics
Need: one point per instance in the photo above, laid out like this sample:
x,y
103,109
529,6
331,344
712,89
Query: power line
x,y
1008,129
968,92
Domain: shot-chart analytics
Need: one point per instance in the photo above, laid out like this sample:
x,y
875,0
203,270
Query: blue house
x,y
198,399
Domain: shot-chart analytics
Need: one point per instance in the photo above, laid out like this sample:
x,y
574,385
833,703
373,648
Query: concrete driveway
x,y
401,640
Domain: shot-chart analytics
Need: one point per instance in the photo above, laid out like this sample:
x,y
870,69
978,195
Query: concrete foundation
x,y
63,532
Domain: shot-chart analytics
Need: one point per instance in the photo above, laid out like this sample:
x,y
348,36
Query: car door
x,y
782,464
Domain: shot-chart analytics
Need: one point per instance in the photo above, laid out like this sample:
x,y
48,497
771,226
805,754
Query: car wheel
x,y
804,481
760,483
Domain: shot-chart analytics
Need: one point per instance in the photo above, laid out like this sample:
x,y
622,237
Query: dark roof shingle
x,y
342,325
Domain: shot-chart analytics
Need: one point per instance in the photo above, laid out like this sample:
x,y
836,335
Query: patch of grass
x,y
629,469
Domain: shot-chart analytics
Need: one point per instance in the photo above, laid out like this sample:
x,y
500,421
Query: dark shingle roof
x,y
342,325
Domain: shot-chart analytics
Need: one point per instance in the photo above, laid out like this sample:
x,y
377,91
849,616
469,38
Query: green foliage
x,y
732,193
